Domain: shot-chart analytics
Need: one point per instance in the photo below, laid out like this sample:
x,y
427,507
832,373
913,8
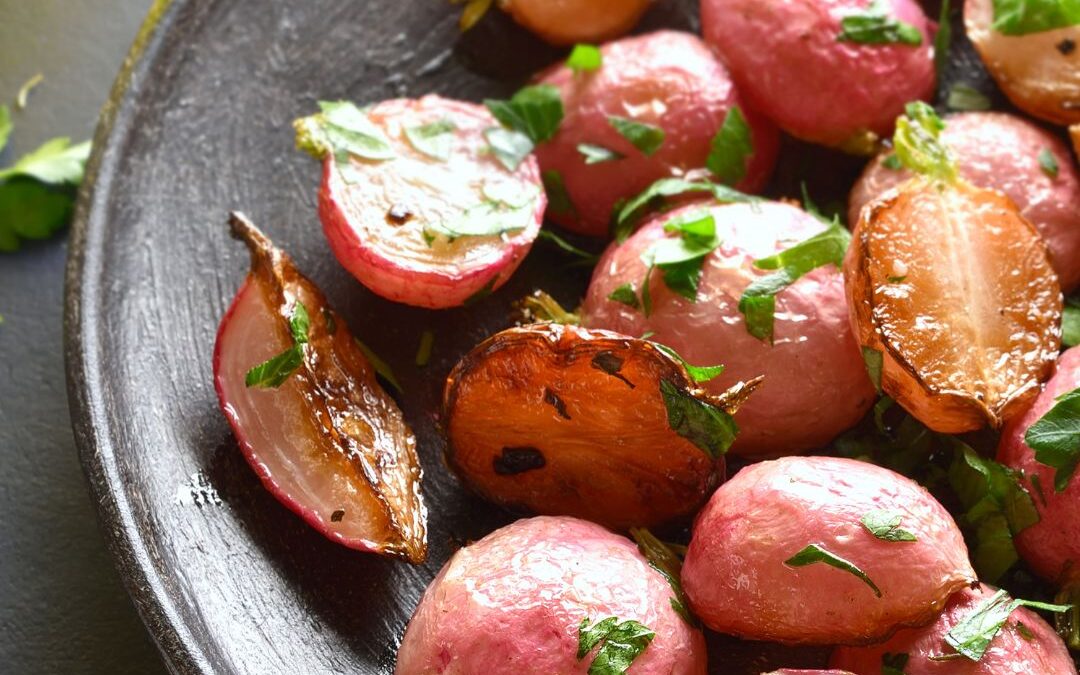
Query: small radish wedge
x,y
414,202
567,421
952,290
822,550
1021,643
1033,51
310,418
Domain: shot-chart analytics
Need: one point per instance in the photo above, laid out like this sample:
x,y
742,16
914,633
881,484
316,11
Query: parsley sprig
x,y
620,644
1055,438
873,25
273,373
972,635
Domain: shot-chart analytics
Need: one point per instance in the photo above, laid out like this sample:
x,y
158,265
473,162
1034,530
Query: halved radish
x,y
414,202
953,287
310,418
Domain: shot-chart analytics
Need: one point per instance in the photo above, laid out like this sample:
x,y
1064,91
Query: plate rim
x,y
182,652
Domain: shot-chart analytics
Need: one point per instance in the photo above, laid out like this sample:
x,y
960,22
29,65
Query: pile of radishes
x,y
859,373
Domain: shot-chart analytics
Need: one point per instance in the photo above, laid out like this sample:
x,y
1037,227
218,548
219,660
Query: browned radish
x,y
952,290
414,202
310,418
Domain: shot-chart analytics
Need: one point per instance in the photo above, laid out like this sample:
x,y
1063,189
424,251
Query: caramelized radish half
x,y
565,22
415,204
953,288
567,421
310,418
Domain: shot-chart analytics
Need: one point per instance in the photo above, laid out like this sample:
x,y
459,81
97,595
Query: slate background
x,y
62,607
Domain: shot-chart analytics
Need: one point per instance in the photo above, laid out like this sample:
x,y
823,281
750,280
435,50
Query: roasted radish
x,y
822,550
414,202
981,632
566,421
549,595
1044,446
952,290
1012,155
310,418
835,72
1031,49
815,383
564,22
656,105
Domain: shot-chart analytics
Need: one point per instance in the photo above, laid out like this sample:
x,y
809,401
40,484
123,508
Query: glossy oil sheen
x,y
200,124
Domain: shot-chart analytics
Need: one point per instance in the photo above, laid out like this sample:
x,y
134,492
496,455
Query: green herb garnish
x,y
731,148
509,147
885,525
423,351
706,426
1055,438
698,374
873,25
658,192
24,91
585,58
382,368
662,559
645,137
535,111
1021,17
55,162
758,301
559,201
681,259
967,98
272,373
344,131
585,257
918,145
620,644
893,664
943,40
434,140
1070,322
892,162
626,295
595,154
972,635
1048,163
814,553
875,361
495,215
5,126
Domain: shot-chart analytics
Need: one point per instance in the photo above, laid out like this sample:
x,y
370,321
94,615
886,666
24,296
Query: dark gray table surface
x,y
62,606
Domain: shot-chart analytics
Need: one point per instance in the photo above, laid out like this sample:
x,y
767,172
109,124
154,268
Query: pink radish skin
x,y
394,260
737,581
786,59
1009,652
667,79
1001,151
512,603
1051,546
815,385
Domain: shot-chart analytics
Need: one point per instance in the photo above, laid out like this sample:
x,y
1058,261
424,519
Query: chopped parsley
x,y
273,373
885,525
873,25
645,137
559,201
758,301
681,259
509,147
1055,438
943,40
343,130
894,664
435,139
1048,163
698,374
505,209
620,644
918,145
585,58
54,162
382,368
966,98
423,351
815,553
892,162
5,126
626,295
707,426
1070,322
663,189
875,361
731,148
536,111
972,635
662,559
595,154
472,13
585,257
1021,17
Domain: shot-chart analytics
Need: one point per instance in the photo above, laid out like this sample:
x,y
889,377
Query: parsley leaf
x,y
1021,17
965,97
435,139
585,58
620,644
594,154
874,26
273,373
1070,322
1048,163
663,560
31,210
559,201
1055,438
892,162
495,215
25,89
918,146
535,111
698,374
423,351
382,368
875,361
814,553
758,301
645,137
5,126
55,162
972,635
626,295
342,130
885,525
585,256
706,426
680,260
509,147
663,189
731,148
943,40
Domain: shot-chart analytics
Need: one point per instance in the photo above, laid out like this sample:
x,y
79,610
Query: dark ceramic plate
x,y
228,580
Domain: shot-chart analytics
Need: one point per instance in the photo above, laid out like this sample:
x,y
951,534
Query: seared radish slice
x,y
414,202
1015,640
822,550
566,421
564,22
310,418
546,596
953,290
1033,51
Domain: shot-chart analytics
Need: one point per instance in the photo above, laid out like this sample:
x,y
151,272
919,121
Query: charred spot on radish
x,y
513,461
553,399
611,364
1066,46
399,214
337,515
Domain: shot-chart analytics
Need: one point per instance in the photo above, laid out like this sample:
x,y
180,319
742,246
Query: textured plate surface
x,y
227,579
